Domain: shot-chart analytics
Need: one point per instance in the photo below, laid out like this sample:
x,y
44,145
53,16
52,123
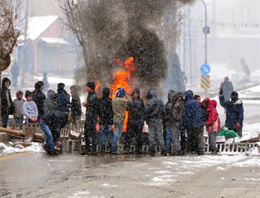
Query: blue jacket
x,y
234,112
63,99
192,115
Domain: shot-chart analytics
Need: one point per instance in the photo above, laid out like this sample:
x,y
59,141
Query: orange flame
x,y
122,79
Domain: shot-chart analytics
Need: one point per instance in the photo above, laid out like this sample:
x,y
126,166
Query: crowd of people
x,y
177,127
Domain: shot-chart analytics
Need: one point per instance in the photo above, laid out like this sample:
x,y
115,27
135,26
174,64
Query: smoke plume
x,y
124,28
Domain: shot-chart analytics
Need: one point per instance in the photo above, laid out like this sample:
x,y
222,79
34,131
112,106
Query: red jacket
x,y
213,124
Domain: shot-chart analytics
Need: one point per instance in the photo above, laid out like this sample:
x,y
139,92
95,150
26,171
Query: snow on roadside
x,y
35,147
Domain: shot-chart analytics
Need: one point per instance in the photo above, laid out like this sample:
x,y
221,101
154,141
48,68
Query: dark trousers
x,y
134,131
196,140
90,132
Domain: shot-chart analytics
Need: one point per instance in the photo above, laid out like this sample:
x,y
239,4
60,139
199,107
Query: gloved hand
x,y
220,92
238,125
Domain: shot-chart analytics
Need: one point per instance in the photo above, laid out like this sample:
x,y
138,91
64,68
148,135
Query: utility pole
x,y
187,45
206,31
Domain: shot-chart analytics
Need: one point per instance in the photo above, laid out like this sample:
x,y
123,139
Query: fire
x,y
97,82
122,79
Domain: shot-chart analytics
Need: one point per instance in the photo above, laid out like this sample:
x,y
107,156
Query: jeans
x,y
167,139
5,120
19,120
105,131
118,132
48,137
212,141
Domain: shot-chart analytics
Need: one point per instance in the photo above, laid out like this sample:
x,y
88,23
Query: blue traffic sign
x,y
205,69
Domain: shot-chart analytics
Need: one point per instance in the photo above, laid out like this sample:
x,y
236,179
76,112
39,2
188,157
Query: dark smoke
x,y
123,28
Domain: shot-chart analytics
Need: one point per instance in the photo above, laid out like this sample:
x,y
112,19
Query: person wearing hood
x,y
193,123
106,119
176,122
119,104
213,125
50,104
234,112
7,106
92,112
154,111
63,98
39,98
75,107
227,88
51,124
168,115
135,122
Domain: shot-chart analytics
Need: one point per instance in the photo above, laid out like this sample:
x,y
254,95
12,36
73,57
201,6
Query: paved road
x,y
38,175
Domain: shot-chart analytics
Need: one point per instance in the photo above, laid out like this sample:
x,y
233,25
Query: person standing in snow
x,y
234,112
18,105
167,118
119,104
154,110
75,107
193,123
213,125
63,98
30,109
39,97
7,106
227,88
92,111
105,120
135,122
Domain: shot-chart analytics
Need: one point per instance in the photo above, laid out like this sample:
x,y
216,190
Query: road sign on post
x,y
205,69
205,81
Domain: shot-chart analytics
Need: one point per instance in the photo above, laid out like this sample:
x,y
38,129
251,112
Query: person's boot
x,y
163,152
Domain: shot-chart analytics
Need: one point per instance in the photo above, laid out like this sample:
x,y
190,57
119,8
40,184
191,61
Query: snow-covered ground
x,y
10,149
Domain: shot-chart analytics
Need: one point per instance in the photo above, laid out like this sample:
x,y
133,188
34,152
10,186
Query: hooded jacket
x,y
39,98
106,111
154,108
234,112
178,108
192,117
50,105
7,106
213,123
168,107
136,109
63,98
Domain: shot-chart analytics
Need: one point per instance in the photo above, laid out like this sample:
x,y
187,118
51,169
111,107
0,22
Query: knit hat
x,y
91,85
120,92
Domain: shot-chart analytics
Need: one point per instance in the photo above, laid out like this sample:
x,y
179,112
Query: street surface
x,y
35,174
38,175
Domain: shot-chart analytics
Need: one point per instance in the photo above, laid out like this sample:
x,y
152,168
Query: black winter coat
x,y
136,111
5,109
92,107
39,98
105,111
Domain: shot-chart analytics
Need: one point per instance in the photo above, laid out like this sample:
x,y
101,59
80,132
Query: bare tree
x,y
8,35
